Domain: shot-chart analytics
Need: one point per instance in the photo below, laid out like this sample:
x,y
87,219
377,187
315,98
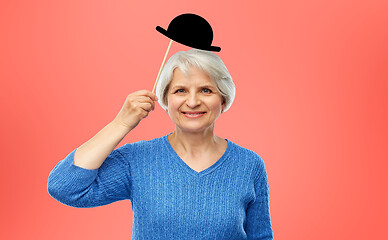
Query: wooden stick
x,y
161,67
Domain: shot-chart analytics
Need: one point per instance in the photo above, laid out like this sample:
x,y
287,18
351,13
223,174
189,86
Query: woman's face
x,y
193,93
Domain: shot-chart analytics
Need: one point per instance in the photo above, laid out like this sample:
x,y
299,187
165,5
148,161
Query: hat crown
x,y
191,29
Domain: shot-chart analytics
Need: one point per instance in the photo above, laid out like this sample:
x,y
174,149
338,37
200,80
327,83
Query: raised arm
x,y
95,174
137,106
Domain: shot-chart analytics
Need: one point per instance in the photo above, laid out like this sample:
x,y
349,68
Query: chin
x,y
193,128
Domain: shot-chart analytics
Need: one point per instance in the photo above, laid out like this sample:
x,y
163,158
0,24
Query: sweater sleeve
x,y
258,212
84,188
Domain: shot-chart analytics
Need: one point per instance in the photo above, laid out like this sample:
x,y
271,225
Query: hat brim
x,y
207,48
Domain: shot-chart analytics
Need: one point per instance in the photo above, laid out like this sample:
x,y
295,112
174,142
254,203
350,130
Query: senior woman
x,y
188,184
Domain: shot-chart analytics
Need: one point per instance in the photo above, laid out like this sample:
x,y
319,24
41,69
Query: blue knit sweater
x,y
170,200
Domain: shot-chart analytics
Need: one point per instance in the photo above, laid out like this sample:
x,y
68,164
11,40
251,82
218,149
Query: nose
x,y
193,100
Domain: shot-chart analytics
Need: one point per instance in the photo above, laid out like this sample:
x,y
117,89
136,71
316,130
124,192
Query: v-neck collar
x,y
187,167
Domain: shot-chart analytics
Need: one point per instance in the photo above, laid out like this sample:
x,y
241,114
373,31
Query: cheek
x,y
215,104
174,103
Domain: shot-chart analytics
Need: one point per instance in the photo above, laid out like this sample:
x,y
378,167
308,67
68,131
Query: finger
x,y
150,94
146,106
146,99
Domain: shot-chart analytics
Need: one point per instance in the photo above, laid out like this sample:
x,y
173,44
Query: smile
x,y
196,115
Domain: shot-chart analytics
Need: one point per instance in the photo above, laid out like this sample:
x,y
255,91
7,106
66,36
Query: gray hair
x,y
205,61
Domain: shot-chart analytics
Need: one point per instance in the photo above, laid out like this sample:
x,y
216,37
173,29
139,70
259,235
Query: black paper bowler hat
x,y
190,30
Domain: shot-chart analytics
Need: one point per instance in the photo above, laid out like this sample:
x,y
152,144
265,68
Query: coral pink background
x,y
311,100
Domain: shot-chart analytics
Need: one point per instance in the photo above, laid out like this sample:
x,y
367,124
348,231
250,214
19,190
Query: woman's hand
x,y
137,106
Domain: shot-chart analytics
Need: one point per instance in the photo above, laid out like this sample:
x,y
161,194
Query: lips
x,y
193,112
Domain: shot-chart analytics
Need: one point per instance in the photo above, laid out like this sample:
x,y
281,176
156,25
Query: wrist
x,y
120,125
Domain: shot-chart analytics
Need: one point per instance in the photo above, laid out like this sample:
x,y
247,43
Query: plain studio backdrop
x,y
311,100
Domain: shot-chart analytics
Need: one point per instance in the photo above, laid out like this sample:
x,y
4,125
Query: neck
x,y
194,144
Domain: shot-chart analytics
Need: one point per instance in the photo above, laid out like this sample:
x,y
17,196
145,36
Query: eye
x,y
206,90
209,91
178,90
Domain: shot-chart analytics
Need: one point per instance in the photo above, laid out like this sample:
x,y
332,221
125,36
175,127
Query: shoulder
x,y
140,147
245,152
250,157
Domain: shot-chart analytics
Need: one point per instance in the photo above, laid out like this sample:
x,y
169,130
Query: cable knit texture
x,y
170,200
